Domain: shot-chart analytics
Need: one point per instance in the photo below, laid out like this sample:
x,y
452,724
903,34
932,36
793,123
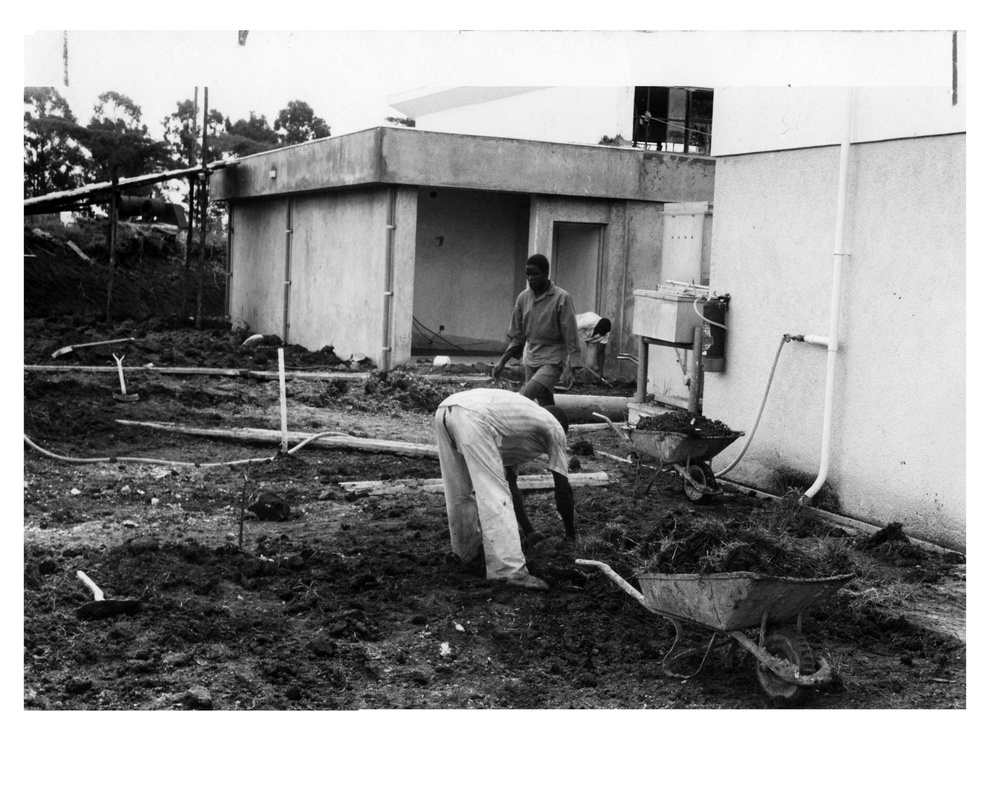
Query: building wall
x,y
470,252
631,259
258,284
341,250
898,437
336,185
790,117
426,158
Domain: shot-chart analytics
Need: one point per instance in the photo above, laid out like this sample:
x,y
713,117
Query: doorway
x,y
577,259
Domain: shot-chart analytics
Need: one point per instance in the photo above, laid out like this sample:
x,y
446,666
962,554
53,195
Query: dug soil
x,y
276,584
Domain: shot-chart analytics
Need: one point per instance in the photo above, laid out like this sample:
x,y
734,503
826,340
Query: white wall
x,y
258,258
573,114
337,270
469,262
898,450
759,119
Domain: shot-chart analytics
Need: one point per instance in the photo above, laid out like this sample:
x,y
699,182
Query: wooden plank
x,y
246,373
265,436
526,483
231,373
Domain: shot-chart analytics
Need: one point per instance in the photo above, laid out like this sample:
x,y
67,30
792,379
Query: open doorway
x,y
468,267
577,260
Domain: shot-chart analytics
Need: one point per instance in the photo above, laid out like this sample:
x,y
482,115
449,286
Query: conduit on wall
x,y
228,309
832,339
285,322
390,238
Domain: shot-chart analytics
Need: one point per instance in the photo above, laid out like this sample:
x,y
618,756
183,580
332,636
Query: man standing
x,y
542,334
483,435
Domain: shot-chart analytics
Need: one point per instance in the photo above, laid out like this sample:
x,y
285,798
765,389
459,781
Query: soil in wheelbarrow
x,y
353,602
694,426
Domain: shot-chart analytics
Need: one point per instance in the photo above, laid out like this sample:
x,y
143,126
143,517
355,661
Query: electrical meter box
x,y
667,313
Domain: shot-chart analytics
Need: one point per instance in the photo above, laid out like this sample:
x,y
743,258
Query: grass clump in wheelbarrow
x,y
687,543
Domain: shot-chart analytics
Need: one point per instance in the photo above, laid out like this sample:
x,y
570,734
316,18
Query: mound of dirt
x,y
694,426
153,275
406,390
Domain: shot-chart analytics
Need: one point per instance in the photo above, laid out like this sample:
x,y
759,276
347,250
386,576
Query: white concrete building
x,y
874,421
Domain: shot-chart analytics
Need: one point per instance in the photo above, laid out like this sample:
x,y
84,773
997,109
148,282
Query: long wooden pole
x,y
112,237
265,436
203,181
191,200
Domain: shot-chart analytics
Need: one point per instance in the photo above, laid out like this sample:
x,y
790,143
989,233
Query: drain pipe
x,y
229,263
285,322
831,341
390,238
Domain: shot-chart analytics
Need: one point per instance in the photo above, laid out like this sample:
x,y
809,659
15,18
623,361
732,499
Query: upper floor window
x,y
674,119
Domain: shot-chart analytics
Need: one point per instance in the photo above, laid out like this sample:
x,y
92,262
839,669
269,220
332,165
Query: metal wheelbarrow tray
x,y
688,455
731,602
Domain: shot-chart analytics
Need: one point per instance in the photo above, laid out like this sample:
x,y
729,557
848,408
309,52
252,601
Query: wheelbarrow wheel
x,y
699,486
790,645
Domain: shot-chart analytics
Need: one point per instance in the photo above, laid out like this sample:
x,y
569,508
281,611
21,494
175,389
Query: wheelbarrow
x,y
689,456
729,603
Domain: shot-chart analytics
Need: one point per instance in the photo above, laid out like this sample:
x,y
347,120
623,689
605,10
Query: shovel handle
x,y
71,347
98,594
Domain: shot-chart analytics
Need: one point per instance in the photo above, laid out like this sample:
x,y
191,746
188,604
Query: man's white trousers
x,y
480,509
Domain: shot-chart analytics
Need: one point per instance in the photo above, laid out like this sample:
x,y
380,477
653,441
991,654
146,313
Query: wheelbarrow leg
x,y
673,656
732,651
659,470
670,658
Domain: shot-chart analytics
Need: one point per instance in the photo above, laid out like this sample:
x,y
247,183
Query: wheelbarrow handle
x,y
612,426
623,584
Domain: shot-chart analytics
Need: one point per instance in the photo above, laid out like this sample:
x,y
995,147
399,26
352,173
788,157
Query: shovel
x,y
594,373
101,608
71,347
124,397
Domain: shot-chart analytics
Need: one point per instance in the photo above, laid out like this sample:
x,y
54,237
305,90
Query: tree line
x,y
60,153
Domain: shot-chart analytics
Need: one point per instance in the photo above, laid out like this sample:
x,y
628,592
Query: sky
x,y
158,69
348,76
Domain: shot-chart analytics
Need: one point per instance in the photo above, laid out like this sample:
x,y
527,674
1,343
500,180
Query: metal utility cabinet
x,y
666,316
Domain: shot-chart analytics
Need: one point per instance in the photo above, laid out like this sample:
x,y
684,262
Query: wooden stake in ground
x,y
284,407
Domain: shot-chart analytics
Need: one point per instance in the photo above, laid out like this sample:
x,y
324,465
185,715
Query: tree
x,y
182,133
248,136
405,122
118,142
298,123
53,159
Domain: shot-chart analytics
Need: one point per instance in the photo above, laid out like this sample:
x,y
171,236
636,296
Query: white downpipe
x,y
834,335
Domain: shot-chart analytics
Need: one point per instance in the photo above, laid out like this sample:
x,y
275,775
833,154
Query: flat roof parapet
x,y
406,156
